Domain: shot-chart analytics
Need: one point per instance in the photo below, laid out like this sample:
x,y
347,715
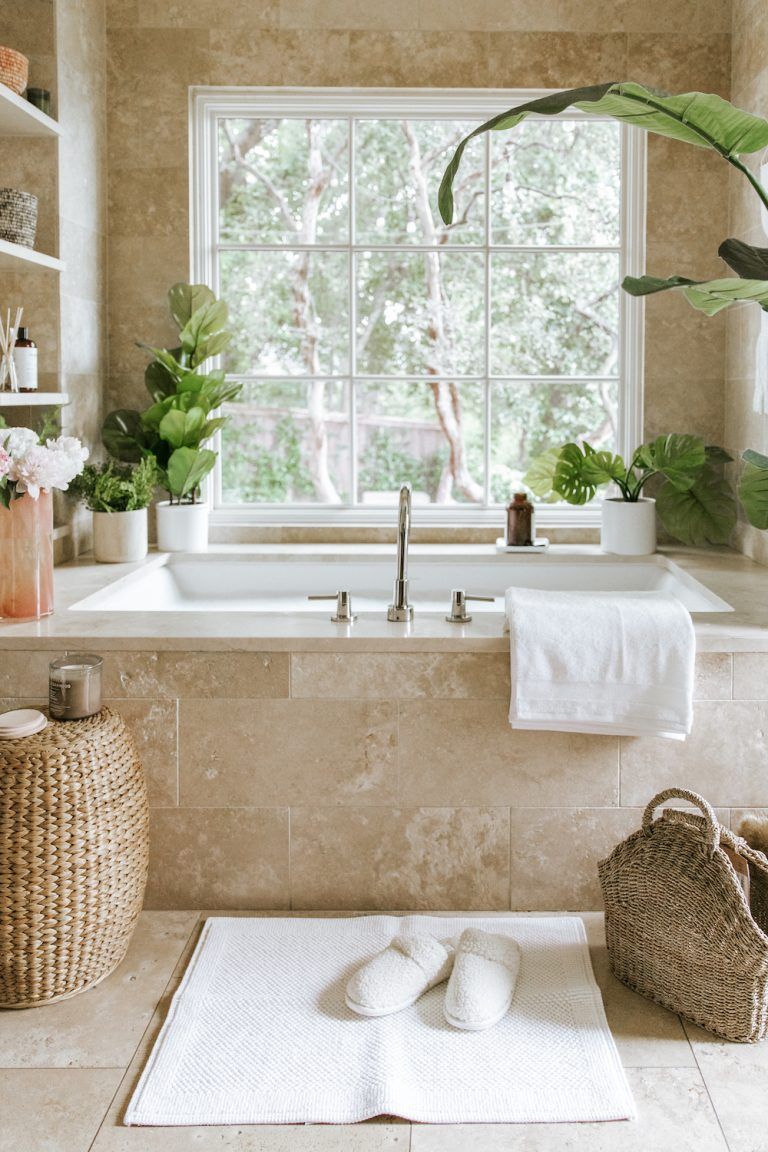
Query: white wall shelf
x,y
32,399
20,118
15,255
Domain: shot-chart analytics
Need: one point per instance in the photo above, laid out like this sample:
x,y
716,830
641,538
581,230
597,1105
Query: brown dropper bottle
x,y
520,520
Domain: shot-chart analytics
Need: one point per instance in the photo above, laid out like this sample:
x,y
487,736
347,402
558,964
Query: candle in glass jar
x,y
74,686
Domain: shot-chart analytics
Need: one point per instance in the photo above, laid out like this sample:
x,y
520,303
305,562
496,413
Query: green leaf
x,y
187,468
717,455
753,491
702,514
125,437
698,118
158,380
745,259
680,458
212,426
541,475
709,296
182,429
569,481
755,458
604,468
166,358
185,299
201,329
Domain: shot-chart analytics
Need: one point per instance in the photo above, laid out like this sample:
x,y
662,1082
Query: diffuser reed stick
x,y
8,336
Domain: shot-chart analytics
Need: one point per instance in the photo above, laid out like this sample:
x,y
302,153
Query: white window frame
x,y
208,104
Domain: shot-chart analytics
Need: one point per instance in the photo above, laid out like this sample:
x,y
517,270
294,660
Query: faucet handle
x,y
344,613
459,600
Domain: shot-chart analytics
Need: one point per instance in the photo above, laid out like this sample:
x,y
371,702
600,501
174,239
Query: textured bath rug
x,y
258,1033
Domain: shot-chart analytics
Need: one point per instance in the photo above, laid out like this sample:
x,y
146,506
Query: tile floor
x,y
67,1071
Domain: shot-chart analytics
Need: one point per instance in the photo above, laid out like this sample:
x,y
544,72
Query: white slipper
x,y
396,978
483,980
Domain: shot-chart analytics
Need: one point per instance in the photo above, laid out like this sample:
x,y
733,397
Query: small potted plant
x,y
118,495
179,423
694,501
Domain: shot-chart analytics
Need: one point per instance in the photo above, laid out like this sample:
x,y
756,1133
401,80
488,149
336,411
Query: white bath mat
x,y
258,1033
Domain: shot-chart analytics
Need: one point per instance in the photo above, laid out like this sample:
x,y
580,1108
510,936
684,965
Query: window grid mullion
x,y
487,288
352,314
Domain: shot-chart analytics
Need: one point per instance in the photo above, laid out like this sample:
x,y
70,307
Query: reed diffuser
x,y
9,381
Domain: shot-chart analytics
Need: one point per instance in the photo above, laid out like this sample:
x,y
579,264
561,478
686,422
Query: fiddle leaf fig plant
x,y
695,502
180,421
701,119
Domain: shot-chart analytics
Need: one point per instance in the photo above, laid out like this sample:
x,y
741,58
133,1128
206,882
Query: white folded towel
x,y
605,662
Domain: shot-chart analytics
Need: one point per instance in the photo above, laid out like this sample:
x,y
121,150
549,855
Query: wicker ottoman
x,y
73,857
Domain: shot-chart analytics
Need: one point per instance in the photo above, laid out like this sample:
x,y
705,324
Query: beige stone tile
x,y
101,1028
750,675
280,57
736,1076
416,858
377,1136
348,14
240,15
418,59
555,60
464,752
674,1115
673,404
574,16
154,726
149,201
554,854
141,57
681,63
272,752
196,675
646,1035
723,758
218,858
391,676
681,343
713,676
53,1110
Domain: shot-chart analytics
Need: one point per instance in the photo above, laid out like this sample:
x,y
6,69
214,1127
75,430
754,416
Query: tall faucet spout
x,y
400,610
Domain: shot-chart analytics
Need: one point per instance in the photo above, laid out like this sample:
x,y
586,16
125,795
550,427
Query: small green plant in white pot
x,y
694,500
179,424
118,496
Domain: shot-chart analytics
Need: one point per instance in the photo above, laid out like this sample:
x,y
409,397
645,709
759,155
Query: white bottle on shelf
x,y
25,358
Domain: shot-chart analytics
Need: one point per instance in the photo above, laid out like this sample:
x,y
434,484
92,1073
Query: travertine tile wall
x,y
381,780
747,326
157,49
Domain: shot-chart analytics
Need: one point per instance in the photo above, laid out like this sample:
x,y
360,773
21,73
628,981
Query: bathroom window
x,y
375,344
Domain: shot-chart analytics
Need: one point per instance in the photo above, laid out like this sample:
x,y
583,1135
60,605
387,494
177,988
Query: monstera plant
x,y
175,428
704,121
694,501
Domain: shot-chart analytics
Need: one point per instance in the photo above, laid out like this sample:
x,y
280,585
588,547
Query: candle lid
x,y
21,722
83,661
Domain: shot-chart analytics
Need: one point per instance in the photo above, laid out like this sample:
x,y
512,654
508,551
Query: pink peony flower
x,y
5,463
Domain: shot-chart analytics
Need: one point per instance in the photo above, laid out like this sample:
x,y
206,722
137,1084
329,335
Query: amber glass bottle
x,y
520,521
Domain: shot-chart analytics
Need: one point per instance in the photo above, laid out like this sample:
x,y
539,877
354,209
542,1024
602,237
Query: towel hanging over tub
x,y
619,663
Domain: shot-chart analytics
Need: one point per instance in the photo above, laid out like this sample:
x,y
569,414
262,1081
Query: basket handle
x,y
713,826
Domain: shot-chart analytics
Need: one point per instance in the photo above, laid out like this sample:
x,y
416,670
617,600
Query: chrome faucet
x,y
400,610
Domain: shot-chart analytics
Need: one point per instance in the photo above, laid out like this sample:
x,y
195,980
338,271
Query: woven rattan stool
x,y
73,857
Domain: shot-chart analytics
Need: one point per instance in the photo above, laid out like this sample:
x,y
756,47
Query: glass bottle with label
x,y
25,358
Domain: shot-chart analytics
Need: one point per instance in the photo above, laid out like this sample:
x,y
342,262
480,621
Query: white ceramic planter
x,y
628,528
182,527
120,537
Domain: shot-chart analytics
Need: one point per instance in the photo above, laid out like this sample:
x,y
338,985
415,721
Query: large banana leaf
x,y
745,259
753,488
702,514
698,118
708,296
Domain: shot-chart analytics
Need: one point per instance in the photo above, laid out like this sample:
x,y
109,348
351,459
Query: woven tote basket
x,y
14,70
679,926
73,857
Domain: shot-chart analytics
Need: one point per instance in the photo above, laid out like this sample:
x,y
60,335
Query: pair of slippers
x,y
481,970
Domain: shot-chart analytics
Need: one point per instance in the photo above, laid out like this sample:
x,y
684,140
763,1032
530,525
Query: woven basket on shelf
x,y
679,926
73,857
18,217
14,70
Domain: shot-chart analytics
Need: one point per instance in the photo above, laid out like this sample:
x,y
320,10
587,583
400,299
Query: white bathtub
x,y
272,581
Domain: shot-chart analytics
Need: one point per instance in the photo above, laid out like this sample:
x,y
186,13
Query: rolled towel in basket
x,y
619,663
